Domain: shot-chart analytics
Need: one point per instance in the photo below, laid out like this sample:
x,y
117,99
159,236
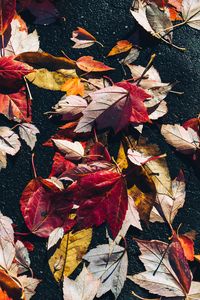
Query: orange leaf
x,y
188,246
4,296
88,64
11,286
120,47
73,86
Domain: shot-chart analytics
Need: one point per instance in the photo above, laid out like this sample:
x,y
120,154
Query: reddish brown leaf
x,y
82,38
194,124
43,209
4,295
60,165
16,106
99,152
12,72
179,263
7,11
188,246
12,287
101,196
88,64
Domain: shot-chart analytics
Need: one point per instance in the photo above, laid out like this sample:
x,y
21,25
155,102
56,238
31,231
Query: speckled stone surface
x,y
109,21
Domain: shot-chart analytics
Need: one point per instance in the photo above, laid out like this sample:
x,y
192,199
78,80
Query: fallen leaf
x,y
163,265
69,255
55,236
88,64
73,86
169,205
46,60
7,11
184,140
20,40
131,57
82,38
28,133
4,295
69,107
188,246
43,12
73,151
50,80
110,266
3,160
9,141
16,106
7,249
120,47
29,285
22,257
44,209
108,205
139,158
12,72
115,107
191,13
60,165
84,287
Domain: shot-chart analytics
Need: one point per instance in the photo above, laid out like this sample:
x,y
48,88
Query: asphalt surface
x,y
109,21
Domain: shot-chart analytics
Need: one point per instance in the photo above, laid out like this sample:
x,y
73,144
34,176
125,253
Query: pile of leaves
x,y
88,187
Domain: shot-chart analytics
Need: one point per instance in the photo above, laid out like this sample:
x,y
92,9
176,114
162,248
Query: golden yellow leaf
x,y
50,80
73,86
70,252
122,160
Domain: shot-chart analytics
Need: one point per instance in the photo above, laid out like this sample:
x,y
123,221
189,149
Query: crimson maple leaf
x,y
101,196
12,72
115,107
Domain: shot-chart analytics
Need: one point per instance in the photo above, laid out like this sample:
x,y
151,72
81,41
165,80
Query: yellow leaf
x,y
73,86
122,158
50,80
70,252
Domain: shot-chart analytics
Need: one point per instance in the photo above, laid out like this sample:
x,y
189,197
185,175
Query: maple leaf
x,y
121,47
7,11
109,204
115,107
12,72
28,133
82,38
167,271
167,206
69,254
84,287
45,209
99,152
110,266
16,106
88,64
20,40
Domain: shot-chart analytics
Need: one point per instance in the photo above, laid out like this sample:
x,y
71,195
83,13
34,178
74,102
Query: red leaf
x,y
194,124
101,196
12,72
7,11
188,246
179,263
60,165
16,106
99,152
44,210
88,64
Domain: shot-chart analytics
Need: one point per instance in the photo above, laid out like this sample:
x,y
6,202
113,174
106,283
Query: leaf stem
x,y
33,165
141,298
153,56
